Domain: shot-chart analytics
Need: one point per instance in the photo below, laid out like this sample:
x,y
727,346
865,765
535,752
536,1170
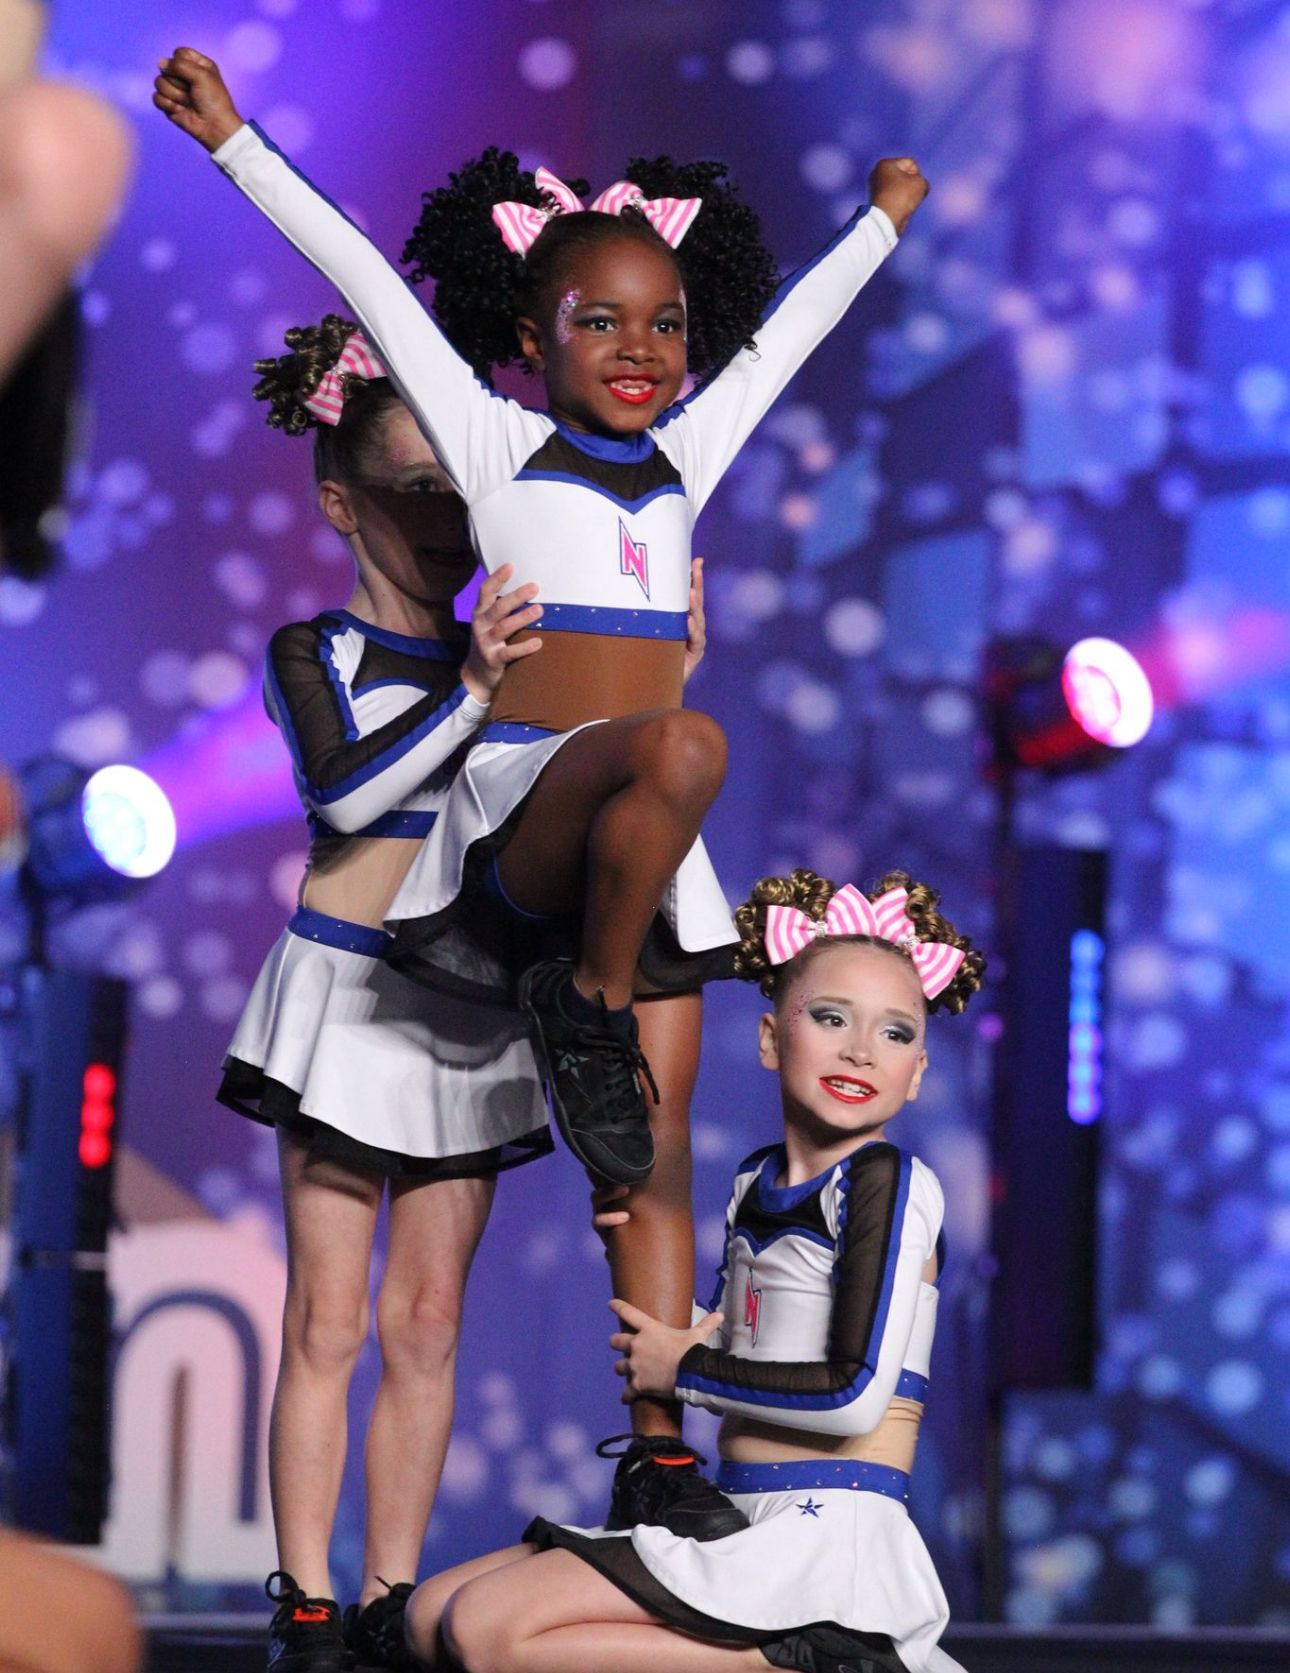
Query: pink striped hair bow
x,y
788,931
357,359
520,223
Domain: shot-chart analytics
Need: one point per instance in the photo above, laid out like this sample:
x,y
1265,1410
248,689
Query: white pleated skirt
x,y
843,1556
497,775
377,1069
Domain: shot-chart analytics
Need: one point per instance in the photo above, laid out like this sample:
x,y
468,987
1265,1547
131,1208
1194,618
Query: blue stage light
x,y
129,820
91,835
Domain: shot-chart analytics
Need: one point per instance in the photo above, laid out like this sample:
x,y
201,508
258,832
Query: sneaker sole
x,y
624,1175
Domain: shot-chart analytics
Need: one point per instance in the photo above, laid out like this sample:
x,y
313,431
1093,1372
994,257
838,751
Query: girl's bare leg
x,y
651,1258
434,1232
330,1218
605,827
426,1605
553,1613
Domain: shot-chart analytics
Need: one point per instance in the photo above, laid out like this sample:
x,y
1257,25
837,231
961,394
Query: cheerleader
x,y
817,1353
377,1087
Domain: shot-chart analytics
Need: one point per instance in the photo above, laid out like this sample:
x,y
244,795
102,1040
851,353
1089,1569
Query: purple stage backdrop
x,y
1062,407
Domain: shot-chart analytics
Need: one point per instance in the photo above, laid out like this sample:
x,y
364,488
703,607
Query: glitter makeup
x,y
564,315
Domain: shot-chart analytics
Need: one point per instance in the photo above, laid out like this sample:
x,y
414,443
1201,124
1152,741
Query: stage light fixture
x,y
91,835
1060,712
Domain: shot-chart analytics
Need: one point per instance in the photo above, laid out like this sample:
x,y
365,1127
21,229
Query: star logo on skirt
x,y
810,1508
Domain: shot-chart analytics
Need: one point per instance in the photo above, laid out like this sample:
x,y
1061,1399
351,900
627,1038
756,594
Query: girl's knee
x,y
474,1633
685,752
418,1333
325,1330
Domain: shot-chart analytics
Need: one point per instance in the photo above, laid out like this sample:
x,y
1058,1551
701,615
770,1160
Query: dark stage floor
x,y
235,1644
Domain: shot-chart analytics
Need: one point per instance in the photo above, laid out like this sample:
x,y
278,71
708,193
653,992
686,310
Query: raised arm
x,y
703,434
893,1216
479,437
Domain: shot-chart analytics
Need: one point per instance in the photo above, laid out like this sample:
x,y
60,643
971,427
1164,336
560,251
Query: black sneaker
x,y
304,1634
831,1650
590,1071
374,1634
658,1482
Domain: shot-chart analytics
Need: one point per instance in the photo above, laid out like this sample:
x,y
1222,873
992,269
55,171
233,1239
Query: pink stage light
x,y
1107,692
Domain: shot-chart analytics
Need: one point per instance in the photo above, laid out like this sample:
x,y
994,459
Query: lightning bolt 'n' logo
x,y
752,1310
633,557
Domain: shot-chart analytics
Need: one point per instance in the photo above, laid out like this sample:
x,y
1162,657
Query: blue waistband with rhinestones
x,y
338,932
802,1474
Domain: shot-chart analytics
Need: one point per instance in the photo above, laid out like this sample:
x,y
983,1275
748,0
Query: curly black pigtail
x,y
479,283
728,273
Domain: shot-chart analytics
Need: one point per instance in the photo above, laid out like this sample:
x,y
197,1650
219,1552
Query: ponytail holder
x,y
356,360
520,223
849,912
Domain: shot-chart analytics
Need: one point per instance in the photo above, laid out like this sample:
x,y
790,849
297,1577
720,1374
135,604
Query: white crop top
x,y
602,524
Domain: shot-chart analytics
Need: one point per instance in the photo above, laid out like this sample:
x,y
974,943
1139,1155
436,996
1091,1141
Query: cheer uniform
x,y
827,1319
334,1045
602,524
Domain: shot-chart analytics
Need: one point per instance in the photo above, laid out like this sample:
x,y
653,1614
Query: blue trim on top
x,y
782,1197
750,1164
338,932
942,1255
343,703
398,822
396,752
514,732
869,1362
757,1246
611,623
300,174
790,284
855,1475
584,485
618,450
411,644
911,1385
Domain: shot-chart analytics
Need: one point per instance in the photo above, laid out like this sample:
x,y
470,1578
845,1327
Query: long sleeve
x,y
702,434
891,1212
350,780
480,438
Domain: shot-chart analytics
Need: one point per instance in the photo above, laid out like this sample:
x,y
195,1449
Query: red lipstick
x,y
862,1094
633,397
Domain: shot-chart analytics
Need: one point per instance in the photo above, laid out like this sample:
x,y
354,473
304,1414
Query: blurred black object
x,y
37,409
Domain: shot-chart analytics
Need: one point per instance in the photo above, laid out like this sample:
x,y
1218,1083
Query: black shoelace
x,y
624,1062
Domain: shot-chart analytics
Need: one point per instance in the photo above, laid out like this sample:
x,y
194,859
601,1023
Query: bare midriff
x,y
746,1440
578,677
358,879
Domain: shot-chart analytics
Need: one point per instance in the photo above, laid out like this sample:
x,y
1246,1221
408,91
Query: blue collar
x,y
621,450
435,650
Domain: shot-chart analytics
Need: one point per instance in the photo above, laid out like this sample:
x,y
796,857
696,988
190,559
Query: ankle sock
x,y
579,1008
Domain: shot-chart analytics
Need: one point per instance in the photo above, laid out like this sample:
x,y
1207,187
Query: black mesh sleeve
x,y
352,780
825,1393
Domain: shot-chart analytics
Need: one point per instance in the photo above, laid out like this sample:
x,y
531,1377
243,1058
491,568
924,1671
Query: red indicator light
x,y
98,1114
